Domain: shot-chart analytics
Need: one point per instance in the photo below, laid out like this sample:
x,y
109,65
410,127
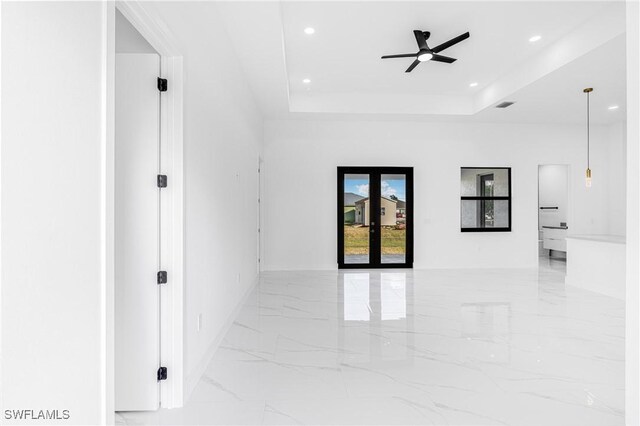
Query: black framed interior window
x,y
485,199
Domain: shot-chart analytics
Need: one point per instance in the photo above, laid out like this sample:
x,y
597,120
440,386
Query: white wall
x,y
632,311
300,170
617,195
222,142
52,276
55,74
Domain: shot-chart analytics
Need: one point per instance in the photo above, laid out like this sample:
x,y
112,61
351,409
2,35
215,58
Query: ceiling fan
x,y
426,53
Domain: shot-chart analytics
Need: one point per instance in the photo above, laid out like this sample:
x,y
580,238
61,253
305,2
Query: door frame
x,y
374,206
172,208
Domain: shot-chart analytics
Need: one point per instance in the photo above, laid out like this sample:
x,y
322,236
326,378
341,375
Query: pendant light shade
x,y
587,181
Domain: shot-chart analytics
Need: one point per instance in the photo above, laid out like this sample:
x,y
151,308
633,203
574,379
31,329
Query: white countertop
x,y
616,239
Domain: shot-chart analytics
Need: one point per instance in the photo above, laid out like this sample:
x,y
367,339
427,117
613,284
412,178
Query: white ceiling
x,y
344,53
558,96
582,45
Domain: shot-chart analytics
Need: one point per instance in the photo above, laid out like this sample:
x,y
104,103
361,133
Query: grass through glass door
x,y
356,240
356,218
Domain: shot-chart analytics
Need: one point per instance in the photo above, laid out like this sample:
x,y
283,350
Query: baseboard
x,y
194,376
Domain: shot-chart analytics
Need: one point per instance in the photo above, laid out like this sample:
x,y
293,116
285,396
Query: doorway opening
x,y
375,217
139,223
145,171
553,213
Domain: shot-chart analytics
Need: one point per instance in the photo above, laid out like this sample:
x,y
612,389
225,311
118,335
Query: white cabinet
x,y
597,263
554,239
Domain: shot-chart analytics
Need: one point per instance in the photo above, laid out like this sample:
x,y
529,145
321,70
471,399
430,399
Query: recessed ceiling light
x,y
425,57
535,38
306,81
612,107
309,30
474,84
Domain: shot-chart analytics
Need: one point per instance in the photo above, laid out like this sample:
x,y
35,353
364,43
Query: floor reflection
x,y
356,297
373,295
374,326
393,295
456,347
486,327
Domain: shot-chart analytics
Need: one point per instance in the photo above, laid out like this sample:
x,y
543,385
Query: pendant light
x,y
588,90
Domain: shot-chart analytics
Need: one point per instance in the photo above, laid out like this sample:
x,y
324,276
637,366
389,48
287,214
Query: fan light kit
x,y
425,53
309,30
612,107
535,38
306,81
474,84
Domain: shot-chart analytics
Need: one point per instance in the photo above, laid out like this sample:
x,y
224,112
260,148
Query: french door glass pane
x,y
393,218
356,218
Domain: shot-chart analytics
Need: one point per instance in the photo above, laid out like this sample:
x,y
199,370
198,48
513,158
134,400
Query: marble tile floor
x,y
438,347
553,263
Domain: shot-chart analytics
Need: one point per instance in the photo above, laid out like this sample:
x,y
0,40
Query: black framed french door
x,y
375,217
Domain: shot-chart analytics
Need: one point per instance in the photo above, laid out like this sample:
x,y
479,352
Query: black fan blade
x,y
441,58
422,42
448,44
413,65
404,55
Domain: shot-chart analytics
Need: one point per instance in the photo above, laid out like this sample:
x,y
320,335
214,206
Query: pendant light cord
x,y
588,142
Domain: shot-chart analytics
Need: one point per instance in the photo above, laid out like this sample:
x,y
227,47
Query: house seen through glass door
x,y
375,223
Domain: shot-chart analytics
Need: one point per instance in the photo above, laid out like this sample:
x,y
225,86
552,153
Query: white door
x,y
137,322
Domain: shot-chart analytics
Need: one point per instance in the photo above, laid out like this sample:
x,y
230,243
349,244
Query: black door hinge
x,y
162,84
162,277
162,373
162,181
